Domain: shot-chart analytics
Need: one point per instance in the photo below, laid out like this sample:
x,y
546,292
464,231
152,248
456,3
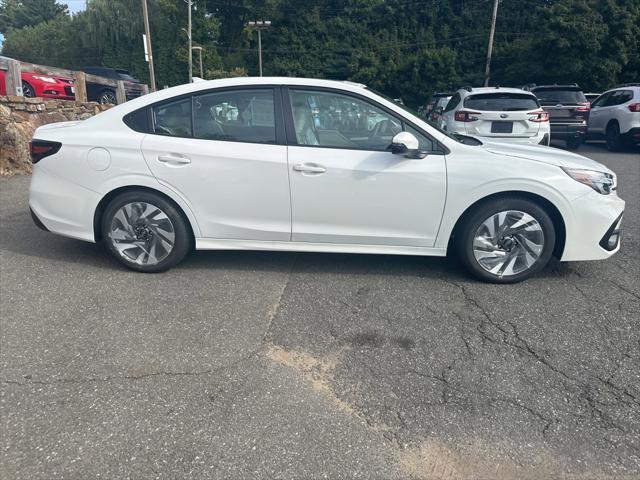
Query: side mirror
x,y
405,143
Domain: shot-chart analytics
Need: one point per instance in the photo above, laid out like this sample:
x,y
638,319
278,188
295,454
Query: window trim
x,y
291,131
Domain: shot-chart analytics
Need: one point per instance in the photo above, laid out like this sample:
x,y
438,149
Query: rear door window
x,y
244,115
560,96
501,102
453,103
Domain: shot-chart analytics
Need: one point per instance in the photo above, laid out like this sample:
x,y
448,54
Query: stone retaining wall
x,y
20,116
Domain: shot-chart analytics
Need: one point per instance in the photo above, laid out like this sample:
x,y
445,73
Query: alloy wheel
x,y
508,243
142,233
108,97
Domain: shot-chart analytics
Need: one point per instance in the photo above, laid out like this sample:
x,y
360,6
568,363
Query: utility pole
x,y
259,25
189,35
490,47
199,49
147,46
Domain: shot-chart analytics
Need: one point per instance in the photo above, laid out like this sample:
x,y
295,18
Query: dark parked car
x,y
568,110
591,96
106,94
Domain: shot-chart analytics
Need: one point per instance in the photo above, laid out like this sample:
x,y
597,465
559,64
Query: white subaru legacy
x,y
315,166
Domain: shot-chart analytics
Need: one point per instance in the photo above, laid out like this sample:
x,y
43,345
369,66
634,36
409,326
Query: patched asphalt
x,y
278,365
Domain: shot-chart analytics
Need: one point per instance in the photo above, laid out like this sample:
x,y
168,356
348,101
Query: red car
x,y
45,86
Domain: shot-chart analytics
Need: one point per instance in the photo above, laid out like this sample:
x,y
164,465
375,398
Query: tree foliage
x,y
27,13
404,48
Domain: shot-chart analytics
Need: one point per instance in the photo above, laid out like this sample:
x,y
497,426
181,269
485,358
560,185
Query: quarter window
x,y
453,103
327,119
173,118
235,116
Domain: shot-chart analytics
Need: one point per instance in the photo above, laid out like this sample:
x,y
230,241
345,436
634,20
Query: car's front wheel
x,y
145,232
506,240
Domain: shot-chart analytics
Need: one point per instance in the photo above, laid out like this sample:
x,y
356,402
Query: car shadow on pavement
x,y
20,236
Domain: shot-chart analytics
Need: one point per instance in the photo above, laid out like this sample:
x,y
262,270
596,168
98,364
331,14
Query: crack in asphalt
x,y
271,314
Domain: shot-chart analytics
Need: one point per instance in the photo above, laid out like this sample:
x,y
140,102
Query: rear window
x,y
501,102
559,96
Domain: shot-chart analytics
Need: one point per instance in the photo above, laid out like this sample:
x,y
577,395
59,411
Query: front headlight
x,y
44,79
601,182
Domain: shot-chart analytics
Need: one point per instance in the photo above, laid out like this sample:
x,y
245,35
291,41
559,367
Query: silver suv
x,y
615,116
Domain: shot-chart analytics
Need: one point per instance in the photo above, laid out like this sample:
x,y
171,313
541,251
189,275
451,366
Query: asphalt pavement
x,y
283,365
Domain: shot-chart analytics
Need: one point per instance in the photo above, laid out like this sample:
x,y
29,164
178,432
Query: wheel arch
x,y
548,206
102,205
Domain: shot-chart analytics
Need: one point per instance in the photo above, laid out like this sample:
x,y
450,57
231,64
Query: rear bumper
x,y
563,131
60,206
632,136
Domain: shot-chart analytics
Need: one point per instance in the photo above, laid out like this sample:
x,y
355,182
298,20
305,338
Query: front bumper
x,y
568,131
595,218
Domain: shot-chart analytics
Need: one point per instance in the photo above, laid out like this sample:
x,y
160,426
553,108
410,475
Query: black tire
x,y
27,90
574,143
472,222
614,141
107,96
149,229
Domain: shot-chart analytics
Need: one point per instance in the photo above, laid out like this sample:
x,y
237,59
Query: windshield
x,y
557,96
501,102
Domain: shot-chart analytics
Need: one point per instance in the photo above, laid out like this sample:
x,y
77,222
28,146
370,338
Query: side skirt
x,y
225,244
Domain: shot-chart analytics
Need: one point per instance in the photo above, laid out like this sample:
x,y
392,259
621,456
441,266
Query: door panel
x,y
236,189
366,197
346,186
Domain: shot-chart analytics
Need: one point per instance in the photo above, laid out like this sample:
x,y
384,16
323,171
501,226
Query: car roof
x,y
478,90
557,87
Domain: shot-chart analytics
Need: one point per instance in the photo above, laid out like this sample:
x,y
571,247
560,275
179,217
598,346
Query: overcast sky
x,y
74,5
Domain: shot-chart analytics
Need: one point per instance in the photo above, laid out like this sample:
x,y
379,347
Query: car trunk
x,y
502,114
564,105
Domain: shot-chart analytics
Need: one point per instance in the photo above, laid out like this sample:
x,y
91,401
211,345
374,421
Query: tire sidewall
x,y
183,236
613,137
481,213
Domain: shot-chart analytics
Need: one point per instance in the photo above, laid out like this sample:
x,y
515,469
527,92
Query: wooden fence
x,y
13,80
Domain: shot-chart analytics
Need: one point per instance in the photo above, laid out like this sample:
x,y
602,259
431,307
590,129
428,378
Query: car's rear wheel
x,y
145,232
574,143
614,142
27,90
506,240
107,96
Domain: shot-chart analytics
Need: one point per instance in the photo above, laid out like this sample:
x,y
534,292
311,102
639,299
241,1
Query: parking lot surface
x,y
278,365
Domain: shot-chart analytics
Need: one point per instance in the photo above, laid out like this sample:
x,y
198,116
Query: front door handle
x,y
309,168
174,159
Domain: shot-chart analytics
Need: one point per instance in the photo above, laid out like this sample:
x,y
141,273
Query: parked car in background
x,y
436,114
568,110
41,85
178,169
431,103
615,116
591,96
500,114
101,93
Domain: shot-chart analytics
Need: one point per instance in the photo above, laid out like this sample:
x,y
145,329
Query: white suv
x,y
615,115
502,114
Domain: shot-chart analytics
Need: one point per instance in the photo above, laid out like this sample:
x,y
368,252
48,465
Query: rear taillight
x,y
634,107
538,116
464,116
38,149
583,107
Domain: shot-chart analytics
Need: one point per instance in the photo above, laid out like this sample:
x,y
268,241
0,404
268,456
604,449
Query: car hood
x,y
544,154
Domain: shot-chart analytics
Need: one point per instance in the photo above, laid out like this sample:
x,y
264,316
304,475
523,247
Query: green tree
x,y
28,13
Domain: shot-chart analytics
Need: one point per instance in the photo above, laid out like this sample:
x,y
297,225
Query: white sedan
x,y
316,166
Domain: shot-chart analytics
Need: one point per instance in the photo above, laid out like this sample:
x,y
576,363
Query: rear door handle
x,y
174,159
309,168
